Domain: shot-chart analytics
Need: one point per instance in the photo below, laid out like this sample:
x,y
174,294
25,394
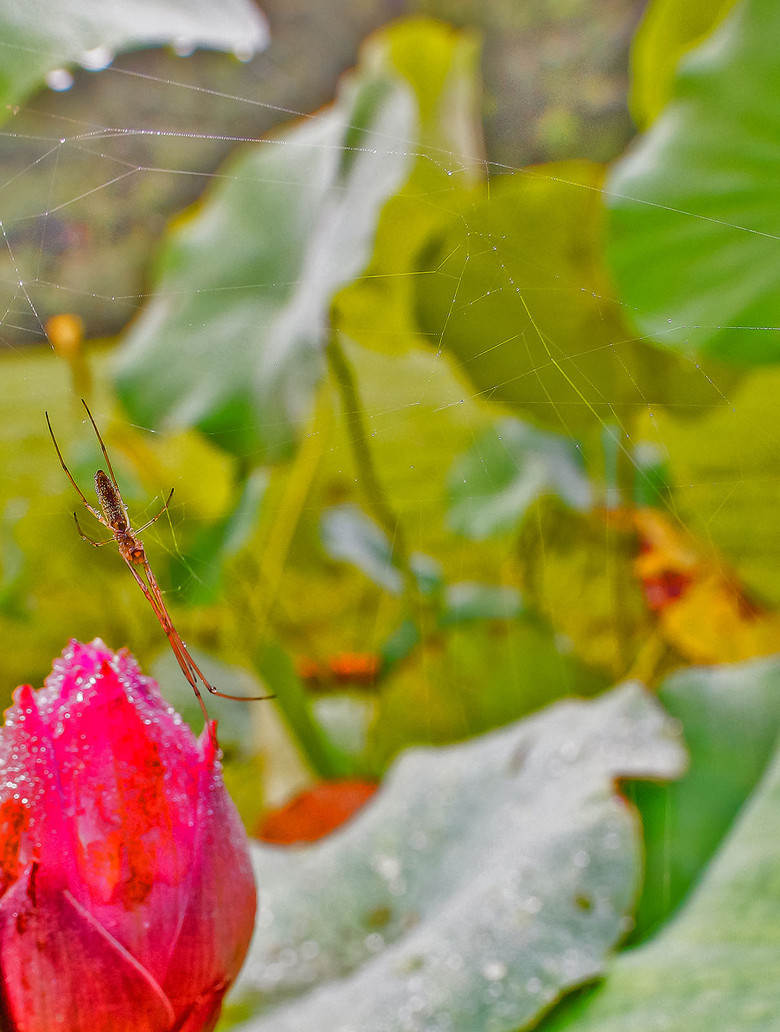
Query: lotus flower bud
x,y
127,899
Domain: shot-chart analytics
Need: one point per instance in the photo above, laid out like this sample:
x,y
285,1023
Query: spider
x,y
114,517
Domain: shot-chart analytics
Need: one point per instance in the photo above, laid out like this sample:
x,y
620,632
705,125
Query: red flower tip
x,y
127,898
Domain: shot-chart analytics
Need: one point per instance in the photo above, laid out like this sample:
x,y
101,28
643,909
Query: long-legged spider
x,y
114,517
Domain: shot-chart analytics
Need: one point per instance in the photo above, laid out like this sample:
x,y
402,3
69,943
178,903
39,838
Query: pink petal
x,y
61,971
219,922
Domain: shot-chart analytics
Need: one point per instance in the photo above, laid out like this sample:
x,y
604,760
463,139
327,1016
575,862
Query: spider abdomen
x,y
110,502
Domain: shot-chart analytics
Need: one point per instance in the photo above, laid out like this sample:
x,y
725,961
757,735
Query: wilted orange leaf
x,y
315,812
702,610
361,668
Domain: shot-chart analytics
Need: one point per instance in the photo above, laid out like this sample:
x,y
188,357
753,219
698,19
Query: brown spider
x,y
114,517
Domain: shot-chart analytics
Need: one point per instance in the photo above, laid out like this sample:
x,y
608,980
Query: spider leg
x,y
102,447
97,544
182,656
154,519
223,695
180,649
98,516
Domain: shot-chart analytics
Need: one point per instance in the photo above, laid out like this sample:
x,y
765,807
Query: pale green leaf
x,y
232,341
484,881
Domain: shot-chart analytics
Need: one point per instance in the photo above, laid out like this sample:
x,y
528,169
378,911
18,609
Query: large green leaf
x,y
232,341
516,290
695,210
38,38
484,881
730,717
715,966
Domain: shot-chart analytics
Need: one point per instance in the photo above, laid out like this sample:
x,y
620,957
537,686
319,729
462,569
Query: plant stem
x,y
367,475
276,669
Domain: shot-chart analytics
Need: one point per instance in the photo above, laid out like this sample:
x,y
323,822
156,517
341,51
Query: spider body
x,y
115,513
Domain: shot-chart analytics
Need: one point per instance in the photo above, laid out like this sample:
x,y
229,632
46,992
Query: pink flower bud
x,y
127,899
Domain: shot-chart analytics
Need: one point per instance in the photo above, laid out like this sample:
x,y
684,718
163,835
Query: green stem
x,y
276,669
369,481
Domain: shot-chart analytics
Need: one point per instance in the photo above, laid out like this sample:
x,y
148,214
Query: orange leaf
x,y
702,609
315,812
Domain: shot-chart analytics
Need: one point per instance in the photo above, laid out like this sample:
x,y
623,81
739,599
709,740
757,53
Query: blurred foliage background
x,y
93,175
466,391
440,453
431,469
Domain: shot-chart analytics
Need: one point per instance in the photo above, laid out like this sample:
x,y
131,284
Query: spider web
x,y
92,176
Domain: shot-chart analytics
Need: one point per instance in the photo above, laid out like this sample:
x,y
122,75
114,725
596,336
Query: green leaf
x,y
440,65
508,468
516,290
695,211
730,717
484,881
669,29
348,534
45,36
467,601
652,476
232,342
577,570
400,643
715,965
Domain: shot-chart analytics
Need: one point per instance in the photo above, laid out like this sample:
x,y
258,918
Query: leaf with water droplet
x,y
46,37
487,902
